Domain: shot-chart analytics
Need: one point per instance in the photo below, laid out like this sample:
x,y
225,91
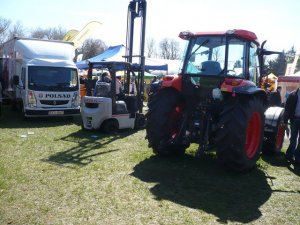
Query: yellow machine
x,y
270,82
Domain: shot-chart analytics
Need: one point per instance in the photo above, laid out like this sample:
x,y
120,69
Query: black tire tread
x,y
230,138
160,108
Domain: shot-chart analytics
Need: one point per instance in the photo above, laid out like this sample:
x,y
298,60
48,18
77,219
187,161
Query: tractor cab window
x,y
236,58
205,56
253,63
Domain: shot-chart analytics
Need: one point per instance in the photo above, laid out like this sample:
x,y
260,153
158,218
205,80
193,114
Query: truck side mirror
x,y
16,80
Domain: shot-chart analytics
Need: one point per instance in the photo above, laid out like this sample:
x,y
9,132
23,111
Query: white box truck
x,y
40,77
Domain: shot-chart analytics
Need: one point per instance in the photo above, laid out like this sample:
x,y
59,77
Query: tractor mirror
x,y
270,52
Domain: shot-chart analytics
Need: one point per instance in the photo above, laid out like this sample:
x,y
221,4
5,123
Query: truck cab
x,y
41,77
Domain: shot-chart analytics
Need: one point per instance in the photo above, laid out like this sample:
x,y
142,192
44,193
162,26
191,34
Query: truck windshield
x,y
45,78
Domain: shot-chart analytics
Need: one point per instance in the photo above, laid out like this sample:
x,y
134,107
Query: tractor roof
x,y
244,34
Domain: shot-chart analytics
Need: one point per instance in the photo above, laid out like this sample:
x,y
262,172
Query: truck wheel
x,y
164,119
239,138
273,141
110,126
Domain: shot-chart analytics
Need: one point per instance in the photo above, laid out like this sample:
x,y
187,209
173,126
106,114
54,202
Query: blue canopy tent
x,y
116,53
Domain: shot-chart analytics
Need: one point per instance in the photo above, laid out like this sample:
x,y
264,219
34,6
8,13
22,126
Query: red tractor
x,y
217,102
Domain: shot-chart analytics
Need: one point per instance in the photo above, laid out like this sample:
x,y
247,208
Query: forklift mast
x,y
136,9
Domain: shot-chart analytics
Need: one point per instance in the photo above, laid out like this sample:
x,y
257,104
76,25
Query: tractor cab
x,y
230,54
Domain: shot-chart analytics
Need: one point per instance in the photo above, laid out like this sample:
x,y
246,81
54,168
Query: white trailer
x,y
40,77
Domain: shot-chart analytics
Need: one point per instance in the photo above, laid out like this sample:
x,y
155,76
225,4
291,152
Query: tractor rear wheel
x,y
240,136
164,119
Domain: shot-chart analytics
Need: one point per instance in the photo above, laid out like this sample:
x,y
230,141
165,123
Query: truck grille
x,y
54,102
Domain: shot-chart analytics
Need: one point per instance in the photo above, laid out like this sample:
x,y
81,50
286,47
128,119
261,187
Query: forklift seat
x,y
102,89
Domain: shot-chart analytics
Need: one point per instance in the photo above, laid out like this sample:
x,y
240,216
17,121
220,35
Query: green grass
x,y
64,175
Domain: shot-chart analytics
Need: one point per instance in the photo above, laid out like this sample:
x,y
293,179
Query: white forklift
x,y
105,110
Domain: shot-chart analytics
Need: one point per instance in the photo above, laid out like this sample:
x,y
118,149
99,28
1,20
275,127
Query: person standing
x,y
132,86
119,88
154,79
292,113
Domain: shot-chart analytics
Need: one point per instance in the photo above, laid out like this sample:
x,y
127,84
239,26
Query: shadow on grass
x,y
88,147
277,159
203,184
13,119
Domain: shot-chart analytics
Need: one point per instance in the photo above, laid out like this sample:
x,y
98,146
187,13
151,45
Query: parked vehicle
x,y
106,110
217,101
40,78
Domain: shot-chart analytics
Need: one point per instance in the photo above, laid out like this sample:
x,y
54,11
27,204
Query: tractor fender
x,y
244,87
174,81
273,115
248,90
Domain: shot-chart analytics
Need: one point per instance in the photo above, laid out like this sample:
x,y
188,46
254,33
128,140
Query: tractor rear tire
x,y
163,122
240,136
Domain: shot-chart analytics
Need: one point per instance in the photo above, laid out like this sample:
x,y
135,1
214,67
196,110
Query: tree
x,y
38,33
51,33
17,30
169,49
150,48
55,33
278,65
4,26
92,47
216,54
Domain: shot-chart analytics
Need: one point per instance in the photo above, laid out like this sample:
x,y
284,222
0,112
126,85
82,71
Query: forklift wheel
x,y
110,126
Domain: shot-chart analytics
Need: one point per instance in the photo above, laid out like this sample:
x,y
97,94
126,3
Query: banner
x,y
85,33
290,67
70,35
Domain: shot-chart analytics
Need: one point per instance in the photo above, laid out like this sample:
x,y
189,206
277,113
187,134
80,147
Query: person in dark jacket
x,y
292,113
275,98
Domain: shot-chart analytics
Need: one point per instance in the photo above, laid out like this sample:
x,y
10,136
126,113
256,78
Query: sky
x,y
276,21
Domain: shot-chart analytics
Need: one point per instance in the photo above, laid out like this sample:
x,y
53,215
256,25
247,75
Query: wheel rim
x,y
253,134
279,136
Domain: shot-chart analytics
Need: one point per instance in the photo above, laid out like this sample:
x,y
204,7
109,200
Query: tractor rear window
x,y
206,56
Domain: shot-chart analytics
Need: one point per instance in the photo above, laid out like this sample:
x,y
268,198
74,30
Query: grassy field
x,y
52,172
